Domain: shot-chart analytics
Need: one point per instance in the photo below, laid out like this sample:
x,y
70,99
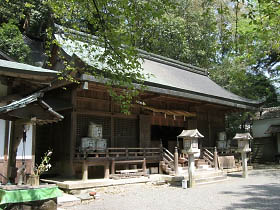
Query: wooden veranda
x,y
167,162
110,157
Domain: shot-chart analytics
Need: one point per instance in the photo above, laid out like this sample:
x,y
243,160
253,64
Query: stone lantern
x,y
190,144
243,147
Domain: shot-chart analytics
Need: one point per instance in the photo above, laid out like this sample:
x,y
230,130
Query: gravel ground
x,y
261,190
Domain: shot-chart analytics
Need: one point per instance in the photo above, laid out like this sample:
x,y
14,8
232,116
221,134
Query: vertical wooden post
x,y
73,125
144,167
112,132
6,151
6,144
113,166
160,167
85,171
126,153
112,123
176,165
144,151
33,146
107,153
216,158
161,150
106,170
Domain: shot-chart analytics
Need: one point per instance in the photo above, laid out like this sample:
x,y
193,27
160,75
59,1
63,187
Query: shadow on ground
x,y
258,196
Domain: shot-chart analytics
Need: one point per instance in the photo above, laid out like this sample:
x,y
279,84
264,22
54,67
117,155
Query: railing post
x,y
144,151
107,153
216,158
113,166
144,167
176,161
126,152
161,150
107,170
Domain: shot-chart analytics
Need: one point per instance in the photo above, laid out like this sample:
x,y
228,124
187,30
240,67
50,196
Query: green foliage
x,y
238,41
115,29
11,42
187,32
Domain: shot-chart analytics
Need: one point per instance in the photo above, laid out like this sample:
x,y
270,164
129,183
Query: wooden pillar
x,y
6,151
85,171
160,167
70,169
113,166
17,133
107,170
6,144
112,132
216,158
144,167
176,165
33,146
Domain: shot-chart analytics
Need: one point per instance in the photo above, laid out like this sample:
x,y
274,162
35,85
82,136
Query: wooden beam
x,y
151,96
106,114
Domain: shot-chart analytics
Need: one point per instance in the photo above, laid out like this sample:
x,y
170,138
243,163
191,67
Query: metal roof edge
x,y
25,68
172,62
204,97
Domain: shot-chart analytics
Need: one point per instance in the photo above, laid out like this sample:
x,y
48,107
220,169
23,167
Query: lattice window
x,y
126,127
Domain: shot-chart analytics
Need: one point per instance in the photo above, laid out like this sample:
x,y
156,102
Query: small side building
x,y
266,133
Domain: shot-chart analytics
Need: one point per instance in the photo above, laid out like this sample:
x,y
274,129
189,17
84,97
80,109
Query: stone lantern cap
x,y
191,134
243,136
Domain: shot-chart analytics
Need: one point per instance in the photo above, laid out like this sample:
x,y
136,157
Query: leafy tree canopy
x,y
238,41
12,43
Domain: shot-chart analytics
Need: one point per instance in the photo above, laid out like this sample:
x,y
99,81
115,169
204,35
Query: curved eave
x,y
157,88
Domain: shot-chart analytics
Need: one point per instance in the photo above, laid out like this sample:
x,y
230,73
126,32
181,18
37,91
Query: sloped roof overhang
x,y
31,108
25,71
162,89
170,77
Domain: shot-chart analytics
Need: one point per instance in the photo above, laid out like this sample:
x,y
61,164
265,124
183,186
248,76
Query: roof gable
x,y
170,77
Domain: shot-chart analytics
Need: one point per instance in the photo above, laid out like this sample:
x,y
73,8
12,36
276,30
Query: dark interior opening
x,y
167,134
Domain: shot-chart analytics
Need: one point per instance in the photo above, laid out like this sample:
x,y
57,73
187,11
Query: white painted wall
x,y
260,126
2,137
28,146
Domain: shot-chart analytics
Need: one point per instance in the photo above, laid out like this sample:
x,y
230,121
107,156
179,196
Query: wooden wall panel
x,y
145,123
126,132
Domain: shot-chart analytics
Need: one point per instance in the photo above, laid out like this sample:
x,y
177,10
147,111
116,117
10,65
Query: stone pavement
x,y
261,190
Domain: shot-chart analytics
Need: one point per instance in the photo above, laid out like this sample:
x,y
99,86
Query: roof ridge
x,y
144,54
172,62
